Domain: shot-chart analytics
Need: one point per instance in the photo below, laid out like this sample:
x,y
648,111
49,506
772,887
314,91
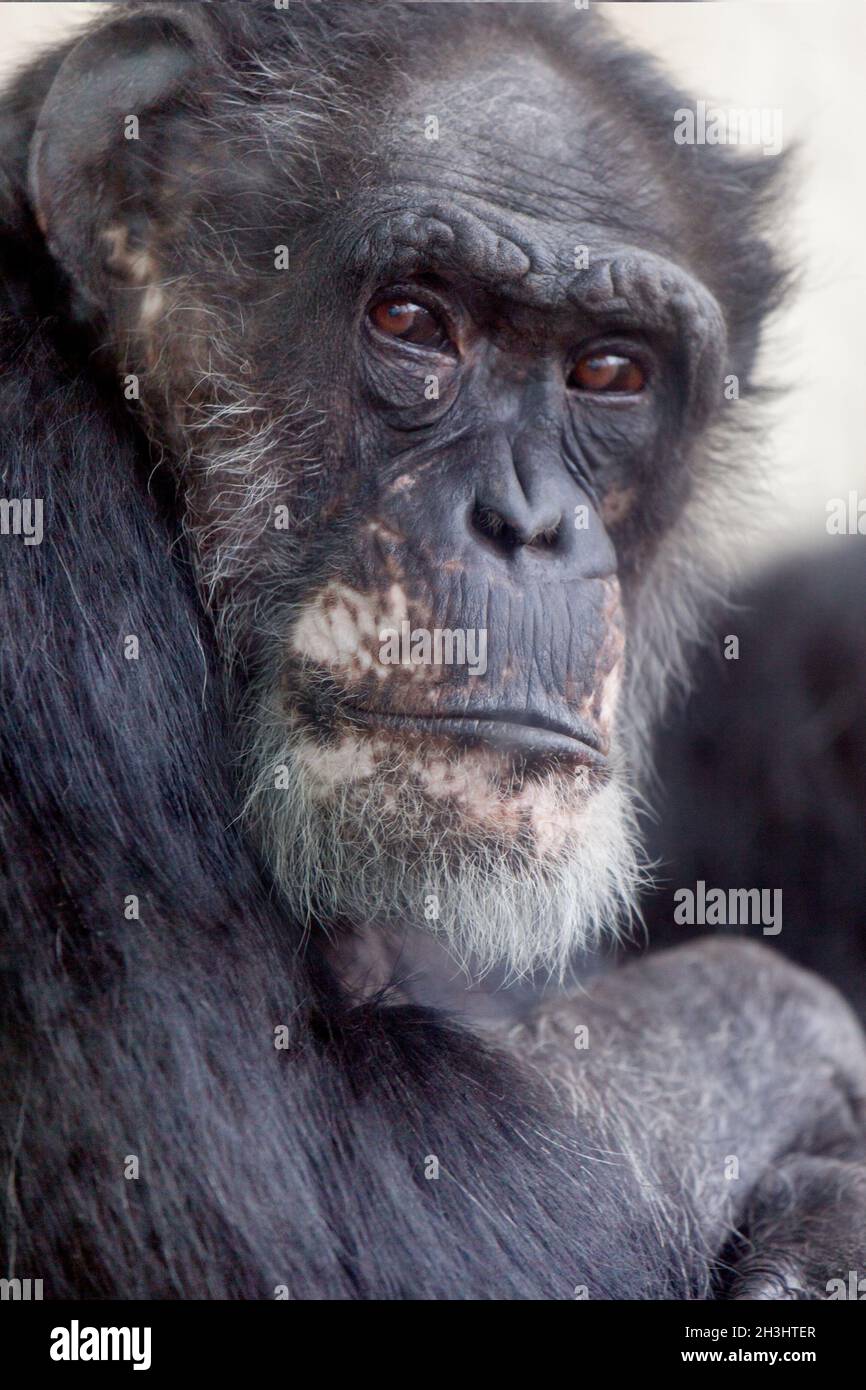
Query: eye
x,y
607,373
411,323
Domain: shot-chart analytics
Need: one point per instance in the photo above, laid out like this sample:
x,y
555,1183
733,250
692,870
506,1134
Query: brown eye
x,y
409,322
609,373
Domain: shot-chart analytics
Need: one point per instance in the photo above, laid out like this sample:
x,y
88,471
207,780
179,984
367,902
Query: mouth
x,y
525,734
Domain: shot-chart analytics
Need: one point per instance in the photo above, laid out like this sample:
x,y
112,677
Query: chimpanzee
x,y
365,442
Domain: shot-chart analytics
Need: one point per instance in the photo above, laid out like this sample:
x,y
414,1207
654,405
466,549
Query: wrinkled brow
x,y
623,286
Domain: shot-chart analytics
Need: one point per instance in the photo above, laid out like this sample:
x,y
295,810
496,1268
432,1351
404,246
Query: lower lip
x,y
526,740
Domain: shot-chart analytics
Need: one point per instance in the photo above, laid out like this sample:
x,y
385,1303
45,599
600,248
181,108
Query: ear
x,y
104,141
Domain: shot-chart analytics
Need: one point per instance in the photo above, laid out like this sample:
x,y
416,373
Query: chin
x,y
514,860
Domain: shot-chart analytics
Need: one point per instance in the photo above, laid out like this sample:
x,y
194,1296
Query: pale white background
x,y
809,58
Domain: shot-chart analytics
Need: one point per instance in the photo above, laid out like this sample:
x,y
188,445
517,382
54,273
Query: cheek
x,y
598,705
340,629
617,504
608,698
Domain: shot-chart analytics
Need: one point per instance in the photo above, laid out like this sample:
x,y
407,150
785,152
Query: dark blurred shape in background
x,y
764,772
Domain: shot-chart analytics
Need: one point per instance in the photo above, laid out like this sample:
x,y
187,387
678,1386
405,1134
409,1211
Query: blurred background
x,y
805,57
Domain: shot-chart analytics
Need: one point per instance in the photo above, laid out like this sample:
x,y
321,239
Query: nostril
x,y
507,535
495,528
546,536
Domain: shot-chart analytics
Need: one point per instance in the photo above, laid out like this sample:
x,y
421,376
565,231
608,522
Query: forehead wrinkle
x,y
515,260
528,133
555,206
505,174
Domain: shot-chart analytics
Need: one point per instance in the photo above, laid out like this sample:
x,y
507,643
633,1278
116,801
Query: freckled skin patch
x,y
474,786
610,692
404,483
136,265
340,629
350,760
616,504
152,306
478,783
599,706
381,531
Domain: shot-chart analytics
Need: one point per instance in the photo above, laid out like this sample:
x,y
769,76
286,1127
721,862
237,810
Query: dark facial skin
x,y
517,419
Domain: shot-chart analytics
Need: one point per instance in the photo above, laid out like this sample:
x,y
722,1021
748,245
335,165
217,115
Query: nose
x,y
518,501
527,502
510,519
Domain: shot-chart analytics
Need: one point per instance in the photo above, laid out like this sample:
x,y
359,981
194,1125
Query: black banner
x,y
158,1340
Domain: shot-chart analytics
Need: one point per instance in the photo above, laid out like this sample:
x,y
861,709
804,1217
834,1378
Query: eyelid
x,y
396,291
633,350
425,299
616,345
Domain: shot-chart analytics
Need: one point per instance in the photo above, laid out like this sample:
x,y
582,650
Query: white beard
x,y
508,873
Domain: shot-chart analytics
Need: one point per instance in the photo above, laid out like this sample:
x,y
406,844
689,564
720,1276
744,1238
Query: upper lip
x,y
527,732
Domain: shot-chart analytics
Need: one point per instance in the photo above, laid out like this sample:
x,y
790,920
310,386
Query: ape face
x,y
510,417
426,458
